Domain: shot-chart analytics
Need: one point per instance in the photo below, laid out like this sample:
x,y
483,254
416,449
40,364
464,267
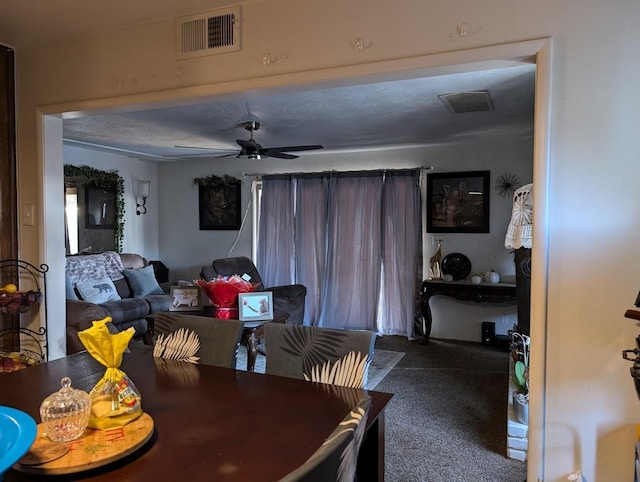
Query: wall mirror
x,y
99,207
94,210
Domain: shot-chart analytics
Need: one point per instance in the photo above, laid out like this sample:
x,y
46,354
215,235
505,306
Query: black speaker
x,y
488,332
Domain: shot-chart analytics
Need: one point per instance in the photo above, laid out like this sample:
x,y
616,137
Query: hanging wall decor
x,y
219,202
458,202
507,183
97,182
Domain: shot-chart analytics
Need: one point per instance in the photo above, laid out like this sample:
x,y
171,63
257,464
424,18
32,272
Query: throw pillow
x,y
143,281
70,293
98,291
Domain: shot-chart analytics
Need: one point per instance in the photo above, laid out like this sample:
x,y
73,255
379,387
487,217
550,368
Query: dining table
x,y
209,423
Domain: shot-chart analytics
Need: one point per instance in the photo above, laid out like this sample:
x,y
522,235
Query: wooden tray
x,y
94,449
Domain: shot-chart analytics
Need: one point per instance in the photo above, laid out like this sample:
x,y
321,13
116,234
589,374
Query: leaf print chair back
x,y
287,299
324,355
197,339
337,457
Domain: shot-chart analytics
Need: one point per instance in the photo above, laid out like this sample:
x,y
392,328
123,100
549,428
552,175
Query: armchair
x,y
286,299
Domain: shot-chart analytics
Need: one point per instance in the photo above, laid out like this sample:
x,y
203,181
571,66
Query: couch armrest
x,y
290,299
80,315
297,292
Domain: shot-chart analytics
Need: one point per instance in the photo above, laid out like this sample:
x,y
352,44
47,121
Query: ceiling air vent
x,y
208,33
467,102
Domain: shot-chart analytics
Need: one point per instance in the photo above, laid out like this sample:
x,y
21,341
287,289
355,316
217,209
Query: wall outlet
x,y
28,213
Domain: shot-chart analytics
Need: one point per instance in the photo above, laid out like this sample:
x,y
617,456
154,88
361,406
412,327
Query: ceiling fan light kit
x,y
250,149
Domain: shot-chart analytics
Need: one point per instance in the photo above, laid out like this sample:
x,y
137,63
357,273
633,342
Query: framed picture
x,y
219,206
184,298
257,305
99,207
458,202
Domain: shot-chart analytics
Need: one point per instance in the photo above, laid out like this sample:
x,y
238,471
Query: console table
x,y
462,290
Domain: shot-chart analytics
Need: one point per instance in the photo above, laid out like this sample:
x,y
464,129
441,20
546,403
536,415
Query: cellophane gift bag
x,y
115,400
223,294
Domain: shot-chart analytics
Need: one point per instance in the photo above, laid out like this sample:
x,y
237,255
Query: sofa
x,y
122,286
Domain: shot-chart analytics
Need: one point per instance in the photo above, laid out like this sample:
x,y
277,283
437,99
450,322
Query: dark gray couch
x,y
287,299
129,274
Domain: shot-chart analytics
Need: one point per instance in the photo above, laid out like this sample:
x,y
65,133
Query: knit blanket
x,y
94,266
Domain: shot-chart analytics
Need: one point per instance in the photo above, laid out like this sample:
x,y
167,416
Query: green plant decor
x,y
521,378
215,181
104,180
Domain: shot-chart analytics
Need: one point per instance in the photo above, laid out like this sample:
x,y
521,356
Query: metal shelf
x,y
29,343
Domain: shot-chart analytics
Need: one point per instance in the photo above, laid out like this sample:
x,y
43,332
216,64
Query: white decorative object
x,y
492,277
519,231
448,277
476,279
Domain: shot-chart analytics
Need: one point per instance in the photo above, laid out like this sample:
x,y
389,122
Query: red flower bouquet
x,y
223,294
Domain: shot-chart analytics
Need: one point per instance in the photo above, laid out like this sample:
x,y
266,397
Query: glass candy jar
x,y
65,413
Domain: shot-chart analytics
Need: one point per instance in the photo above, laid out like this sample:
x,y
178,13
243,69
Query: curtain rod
x,y
245,174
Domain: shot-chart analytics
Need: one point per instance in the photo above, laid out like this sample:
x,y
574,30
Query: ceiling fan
x,y
250,149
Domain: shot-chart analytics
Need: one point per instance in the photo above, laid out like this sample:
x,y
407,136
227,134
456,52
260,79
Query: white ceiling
x,y
368,116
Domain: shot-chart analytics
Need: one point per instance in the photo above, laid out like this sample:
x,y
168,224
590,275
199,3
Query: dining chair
x,y
197,339
324,355
337,457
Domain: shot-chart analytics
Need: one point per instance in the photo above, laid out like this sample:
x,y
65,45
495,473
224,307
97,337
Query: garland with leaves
x,y
215,181
110,180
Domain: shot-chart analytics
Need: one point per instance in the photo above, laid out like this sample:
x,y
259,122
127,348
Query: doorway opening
x,y
467,60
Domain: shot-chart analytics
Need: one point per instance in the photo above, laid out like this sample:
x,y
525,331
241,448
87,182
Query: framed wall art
x,y
184,298
257,305
219,206
458,202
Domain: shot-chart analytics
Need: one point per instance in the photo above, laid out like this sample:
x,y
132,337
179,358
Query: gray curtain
x,y
354,240
356,245
276,246
401,253
312,199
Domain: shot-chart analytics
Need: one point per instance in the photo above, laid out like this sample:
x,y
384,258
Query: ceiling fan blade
x,y
270,150
195,147
233,154
279,155
249,145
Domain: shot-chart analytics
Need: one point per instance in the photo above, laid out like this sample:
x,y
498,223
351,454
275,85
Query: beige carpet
x,y
382,363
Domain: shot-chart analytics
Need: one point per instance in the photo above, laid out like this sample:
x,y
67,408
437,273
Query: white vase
x,y
492,277
520,408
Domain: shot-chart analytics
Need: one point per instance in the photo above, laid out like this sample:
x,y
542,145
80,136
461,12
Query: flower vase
x,y
521,408
223,294
226,313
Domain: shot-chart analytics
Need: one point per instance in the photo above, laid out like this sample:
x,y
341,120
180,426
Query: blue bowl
x,y
17,433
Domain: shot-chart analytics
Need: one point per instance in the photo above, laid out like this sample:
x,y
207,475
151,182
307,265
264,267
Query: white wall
x,y
140,231
587,413
185,249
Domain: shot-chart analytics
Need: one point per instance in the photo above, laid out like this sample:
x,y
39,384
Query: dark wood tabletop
x,y
211,423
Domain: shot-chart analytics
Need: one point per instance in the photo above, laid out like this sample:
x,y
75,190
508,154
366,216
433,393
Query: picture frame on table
x,y
184,298
256,305
219,206
458,202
